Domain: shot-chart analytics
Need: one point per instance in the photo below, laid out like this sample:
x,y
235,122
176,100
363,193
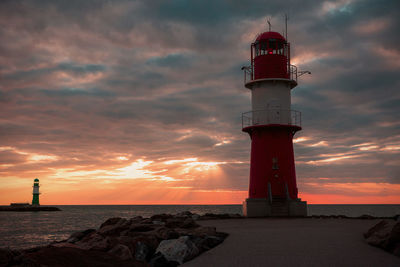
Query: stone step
x,y
276,212
279,208
279,204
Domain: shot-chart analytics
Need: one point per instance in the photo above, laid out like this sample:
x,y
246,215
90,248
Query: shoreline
x,y
223,240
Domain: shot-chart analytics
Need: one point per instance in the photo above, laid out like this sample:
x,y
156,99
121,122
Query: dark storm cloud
x,y
88,81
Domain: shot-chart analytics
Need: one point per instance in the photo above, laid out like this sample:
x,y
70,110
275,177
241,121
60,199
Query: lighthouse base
x,y
261,207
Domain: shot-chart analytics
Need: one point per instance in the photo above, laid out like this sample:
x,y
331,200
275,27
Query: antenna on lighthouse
x,y
269,24
286,19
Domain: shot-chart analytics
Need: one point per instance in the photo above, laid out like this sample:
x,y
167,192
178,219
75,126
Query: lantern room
x,y
270,56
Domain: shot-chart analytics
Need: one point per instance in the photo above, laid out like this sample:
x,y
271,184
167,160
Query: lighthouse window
x,y
275,164
257,49
263,48
272,43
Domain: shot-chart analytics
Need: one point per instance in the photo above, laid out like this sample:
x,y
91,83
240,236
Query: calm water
x,y
29,229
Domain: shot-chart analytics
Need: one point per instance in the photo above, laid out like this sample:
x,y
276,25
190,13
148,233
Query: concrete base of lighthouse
x,y
261,207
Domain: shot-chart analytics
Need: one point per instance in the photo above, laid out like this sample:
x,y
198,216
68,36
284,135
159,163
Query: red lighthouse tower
x,y
271,125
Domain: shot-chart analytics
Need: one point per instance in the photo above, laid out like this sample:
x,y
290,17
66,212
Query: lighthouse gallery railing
x,y
249,74
271,116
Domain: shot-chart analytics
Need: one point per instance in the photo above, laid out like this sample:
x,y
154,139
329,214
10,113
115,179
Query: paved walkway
x,y
294,242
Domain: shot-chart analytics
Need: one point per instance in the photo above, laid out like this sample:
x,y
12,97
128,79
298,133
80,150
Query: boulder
x,y
121,251
208,242
379,233
158,222
113,229
195,217
127,241
161,217
376,228
150,240
111,221
184,214
393,241
141,228
158,260
385,234
136,219
179,250
146,221
189,223
79,235
142,252
164,233
205,231
181,222
174,222
94,242
64,245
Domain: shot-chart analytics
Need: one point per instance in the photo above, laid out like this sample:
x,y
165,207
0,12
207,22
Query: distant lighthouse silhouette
x,y
271,125
35,193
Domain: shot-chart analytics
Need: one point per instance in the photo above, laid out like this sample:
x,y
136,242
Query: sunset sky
x,y
140,102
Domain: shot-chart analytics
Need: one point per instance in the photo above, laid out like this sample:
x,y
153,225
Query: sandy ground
x,y
294,242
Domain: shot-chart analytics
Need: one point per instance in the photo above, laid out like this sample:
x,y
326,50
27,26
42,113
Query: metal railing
x,y
271,116
249,74
293,73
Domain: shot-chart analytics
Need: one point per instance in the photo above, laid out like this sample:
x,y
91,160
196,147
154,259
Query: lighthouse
x,y
271,125
35,193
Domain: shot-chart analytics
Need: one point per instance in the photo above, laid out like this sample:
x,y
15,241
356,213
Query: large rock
x,y
141,228
94,241
393,242
121,251
379,233
205,231
181,222
184,214
142,252
386,235
113,227
111,221
150,240
208,242
164,233
179,250
80,235
136,219
161,217
159,260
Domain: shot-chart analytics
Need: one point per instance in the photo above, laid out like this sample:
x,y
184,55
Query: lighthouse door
x,y
278,187
274,110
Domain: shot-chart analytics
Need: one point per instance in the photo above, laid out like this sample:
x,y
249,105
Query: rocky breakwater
x,y
385,235
162,240
29,208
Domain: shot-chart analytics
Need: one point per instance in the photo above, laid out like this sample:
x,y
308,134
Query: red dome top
x,y
270,35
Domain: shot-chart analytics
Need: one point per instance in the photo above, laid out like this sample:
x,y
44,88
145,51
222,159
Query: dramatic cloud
x,y
140,101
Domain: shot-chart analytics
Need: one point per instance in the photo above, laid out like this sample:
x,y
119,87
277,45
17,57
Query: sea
x,y
21,230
